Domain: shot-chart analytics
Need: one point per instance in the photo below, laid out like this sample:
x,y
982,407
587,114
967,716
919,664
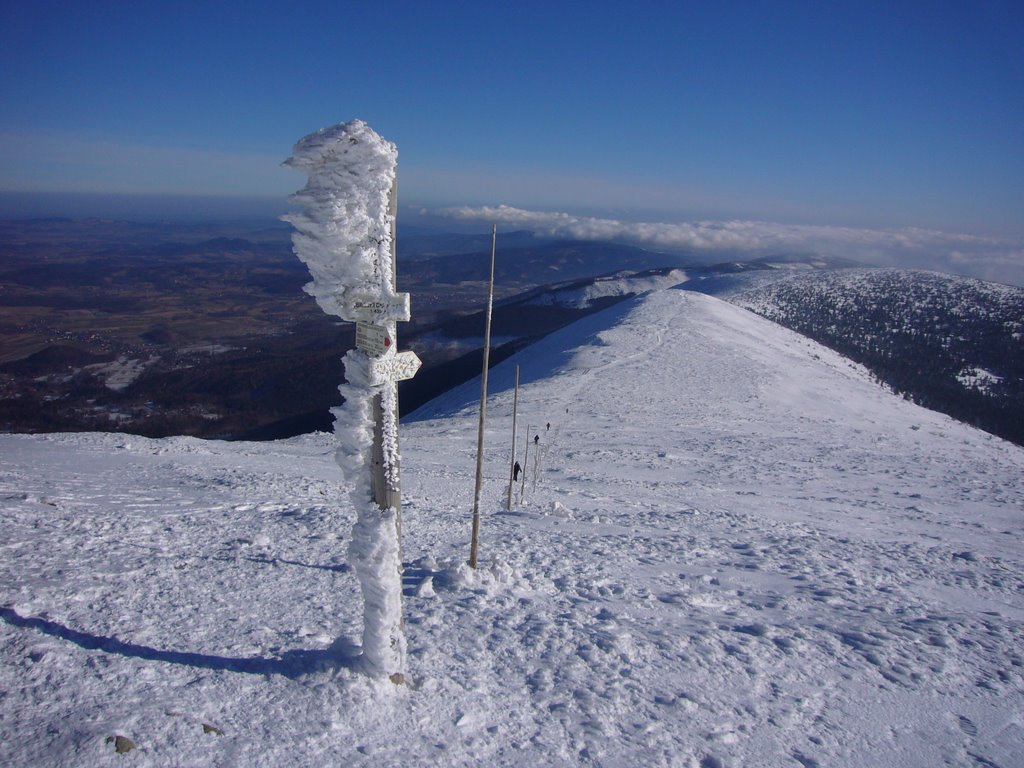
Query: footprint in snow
x,y
968,726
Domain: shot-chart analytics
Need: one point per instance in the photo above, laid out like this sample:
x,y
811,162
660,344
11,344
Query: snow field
x,y
782,531
737,551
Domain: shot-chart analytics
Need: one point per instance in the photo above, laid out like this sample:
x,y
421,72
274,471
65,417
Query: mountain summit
x,y
732,547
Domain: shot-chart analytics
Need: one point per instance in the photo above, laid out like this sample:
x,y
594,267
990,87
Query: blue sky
x,y
878,115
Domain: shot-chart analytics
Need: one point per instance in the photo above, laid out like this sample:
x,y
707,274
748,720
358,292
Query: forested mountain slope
x,y
952,344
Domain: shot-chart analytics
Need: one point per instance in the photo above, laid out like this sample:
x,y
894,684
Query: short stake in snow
x,y
345,235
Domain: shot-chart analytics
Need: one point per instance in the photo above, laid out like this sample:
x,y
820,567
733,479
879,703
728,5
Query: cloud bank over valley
x,y
984,257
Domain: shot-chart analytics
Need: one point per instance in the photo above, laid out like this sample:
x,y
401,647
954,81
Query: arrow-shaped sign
x,y
393,367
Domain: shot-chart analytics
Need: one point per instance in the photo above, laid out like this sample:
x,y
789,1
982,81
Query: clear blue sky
x,y
864,114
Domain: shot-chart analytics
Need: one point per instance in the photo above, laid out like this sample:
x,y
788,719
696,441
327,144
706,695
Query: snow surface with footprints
x,y
731,548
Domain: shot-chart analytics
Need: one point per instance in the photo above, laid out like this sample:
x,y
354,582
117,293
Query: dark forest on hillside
x,y
950,344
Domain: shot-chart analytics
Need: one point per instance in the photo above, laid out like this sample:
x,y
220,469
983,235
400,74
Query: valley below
x,y
202,330
205,330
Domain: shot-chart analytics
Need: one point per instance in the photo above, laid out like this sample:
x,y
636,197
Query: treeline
x,y
953,345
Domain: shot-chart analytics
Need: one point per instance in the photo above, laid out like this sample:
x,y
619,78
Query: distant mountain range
x,y
163,329
160,329
520,268
421,246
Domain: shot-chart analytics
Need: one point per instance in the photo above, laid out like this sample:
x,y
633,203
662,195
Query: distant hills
x,y
164,329
424,246
528,266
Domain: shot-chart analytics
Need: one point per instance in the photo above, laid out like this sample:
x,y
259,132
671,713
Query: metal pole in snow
x,y
475,538
512,461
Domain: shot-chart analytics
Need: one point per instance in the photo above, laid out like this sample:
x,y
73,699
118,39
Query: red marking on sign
x,y
387,341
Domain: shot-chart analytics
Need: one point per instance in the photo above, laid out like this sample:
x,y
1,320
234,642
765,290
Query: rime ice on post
x,y
345,235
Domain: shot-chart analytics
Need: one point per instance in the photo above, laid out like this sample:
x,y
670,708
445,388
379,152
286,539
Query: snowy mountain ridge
x,y
949,343
583,294
732,547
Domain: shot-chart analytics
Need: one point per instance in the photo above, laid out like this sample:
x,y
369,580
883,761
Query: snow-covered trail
x,y
818,559
739,551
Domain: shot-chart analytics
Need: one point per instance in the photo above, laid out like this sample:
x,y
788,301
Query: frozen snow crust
x,y
738,552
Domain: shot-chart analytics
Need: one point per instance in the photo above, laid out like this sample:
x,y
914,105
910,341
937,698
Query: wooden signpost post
x,y
346,236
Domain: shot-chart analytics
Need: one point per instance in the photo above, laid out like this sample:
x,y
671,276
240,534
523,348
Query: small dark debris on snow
x,y
122,744
212,729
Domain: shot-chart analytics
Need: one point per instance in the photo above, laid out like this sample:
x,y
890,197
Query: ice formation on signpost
x,y
344,235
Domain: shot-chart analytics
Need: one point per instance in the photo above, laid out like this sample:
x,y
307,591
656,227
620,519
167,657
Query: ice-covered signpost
x,y
345,234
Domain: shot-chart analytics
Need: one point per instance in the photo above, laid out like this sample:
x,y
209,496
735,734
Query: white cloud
x,y
979,256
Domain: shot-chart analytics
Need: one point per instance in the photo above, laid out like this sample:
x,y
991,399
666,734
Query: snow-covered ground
x,y
733,550
121,373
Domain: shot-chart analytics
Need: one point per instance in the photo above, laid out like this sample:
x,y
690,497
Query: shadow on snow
x,y
342,654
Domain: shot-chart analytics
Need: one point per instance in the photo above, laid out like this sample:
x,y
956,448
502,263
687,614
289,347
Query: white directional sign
x,y
372,339
377,309
393,367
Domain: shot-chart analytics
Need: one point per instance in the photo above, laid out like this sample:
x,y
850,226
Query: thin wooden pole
x,y
385,475
388,639
474,545
526,462
536,466
512,460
